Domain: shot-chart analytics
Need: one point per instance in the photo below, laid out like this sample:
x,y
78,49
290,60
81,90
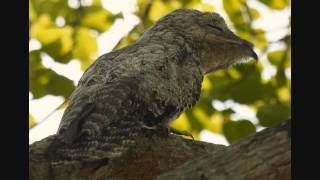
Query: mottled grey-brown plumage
x,y
144,86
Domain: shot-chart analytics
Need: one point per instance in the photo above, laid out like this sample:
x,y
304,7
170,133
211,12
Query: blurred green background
x,y
234,103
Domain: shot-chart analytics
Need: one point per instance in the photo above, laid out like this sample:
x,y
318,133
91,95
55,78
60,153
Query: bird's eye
x,y
216,27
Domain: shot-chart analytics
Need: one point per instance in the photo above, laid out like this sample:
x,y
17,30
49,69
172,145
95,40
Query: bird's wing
x,y
91,94
104,119
80,107
106,114
94,108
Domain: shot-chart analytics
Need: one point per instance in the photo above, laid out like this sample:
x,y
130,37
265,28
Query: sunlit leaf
x,y
275,57
234,74
227,113
276,4
96,2
288,60
254,13
284,94
258,38
53,8
281,77
44,30
271,114
32,121
32,13
216,123
233,9
56,41
248,89
43,81
194,122
160,8
85,48
60,50
204,7
236,130
131,38
98,19
181,123
206,84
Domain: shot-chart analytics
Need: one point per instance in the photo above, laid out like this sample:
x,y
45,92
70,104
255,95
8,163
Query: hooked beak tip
x,y
250,46
254,55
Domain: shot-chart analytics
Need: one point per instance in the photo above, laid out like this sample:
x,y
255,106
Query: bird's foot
x,y
180,133
164,131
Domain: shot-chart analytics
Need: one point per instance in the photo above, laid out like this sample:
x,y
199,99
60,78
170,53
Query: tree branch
x,y
262,156
266,155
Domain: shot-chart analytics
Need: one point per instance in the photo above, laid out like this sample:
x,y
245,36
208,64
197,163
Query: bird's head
x,y
216,45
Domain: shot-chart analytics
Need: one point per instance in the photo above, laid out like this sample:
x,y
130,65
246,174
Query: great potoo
x,y
146,85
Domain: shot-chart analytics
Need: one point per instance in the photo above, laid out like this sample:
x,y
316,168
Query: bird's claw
x,y
180,133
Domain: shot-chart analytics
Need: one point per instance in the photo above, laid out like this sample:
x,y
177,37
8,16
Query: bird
x,y
148,84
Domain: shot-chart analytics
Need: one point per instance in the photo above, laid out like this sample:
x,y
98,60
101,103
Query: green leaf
x,y
233,9
55,41
236,130
32,121
284,94
276,4
205,105
86,47
43,81
53,8
97,18
288,60
204,7
32,13
275,57
227,112
195,124
132,37
259,39
254,13
271,114
160,8
219,81
59,85
181,123
46,81
42,28
248,89
281,77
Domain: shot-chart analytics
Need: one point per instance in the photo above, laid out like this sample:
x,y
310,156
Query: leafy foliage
x,y
235,130
32,121
270,114
44,81
75,37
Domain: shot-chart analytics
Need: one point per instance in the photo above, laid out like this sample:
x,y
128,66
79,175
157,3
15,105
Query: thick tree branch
x,y
265,155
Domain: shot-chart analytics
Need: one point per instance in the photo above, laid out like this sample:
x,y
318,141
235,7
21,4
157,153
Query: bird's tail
x,y
117,139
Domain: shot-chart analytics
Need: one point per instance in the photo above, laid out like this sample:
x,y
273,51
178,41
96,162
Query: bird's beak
x,y
249,46
246,44
233,39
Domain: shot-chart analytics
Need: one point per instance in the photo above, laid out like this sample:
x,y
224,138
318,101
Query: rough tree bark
x,y
265,155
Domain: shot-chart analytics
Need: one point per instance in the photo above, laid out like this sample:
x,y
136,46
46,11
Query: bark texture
x,y
265,155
